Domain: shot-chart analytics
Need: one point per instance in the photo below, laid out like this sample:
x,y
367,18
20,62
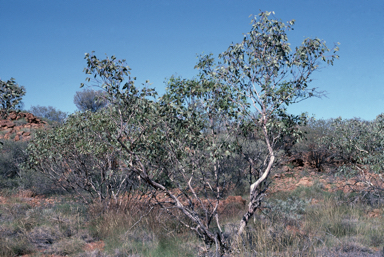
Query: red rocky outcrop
x,y
13,128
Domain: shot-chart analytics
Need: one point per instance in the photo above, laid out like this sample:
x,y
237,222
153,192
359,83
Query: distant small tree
x,y
50,113
10,96
89,99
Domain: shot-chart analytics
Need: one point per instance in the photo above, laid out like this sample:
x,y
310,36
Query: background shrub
x,y
90,100
12,155
49,113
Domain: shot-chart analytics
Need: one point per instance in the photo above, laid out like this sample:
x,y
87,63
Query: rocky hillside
x,y
18,126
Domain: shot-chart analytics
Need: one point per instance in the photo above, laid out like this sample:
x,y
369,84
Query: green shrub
x,y
291,208
78,157
357,142
12,155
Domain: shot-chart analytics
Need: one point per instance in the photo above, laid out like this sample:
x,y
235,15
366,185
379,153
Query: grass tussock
x,y
51,229
311,221
141,231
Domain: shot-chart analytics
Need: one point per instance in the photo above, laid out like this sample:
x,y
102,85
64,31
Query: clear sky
x,y
43,43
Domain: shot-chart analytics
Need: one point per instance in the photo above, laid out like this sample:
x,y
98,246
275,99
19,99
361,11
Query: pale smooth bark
x,y
256,196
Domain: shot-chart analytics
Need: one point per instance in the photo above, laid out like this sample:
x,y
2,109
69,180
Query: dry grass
x,y
51,229
140,230
311,221
308,221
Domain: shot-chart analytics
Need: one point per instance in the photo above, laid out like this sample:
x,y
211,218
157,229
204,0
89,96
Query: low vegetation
x,y
307,221
310,220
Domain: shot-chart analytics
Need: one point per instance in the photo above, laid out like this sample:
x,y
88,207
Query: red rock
x,y
6,123
6,130
9,129
12,116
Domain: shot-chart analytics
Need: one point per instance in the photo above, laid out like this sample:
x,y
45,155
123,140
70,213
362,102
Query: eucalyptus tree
x,y
166,143
261,73
264,74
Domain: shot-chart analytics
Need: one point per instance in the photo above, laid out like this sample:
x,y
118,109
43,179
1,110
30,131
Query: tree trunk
x,y
256,195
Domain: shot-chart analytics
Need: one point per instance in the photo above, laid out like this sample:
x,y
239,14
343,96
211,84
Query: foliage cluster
x,y
357,142
80,156
10,96
14,174
353,143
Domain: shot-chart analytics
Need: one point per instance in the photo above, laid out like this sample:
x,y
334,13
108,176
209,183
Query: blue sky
x,y
43,44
